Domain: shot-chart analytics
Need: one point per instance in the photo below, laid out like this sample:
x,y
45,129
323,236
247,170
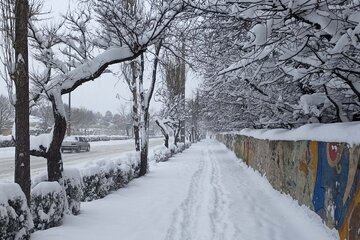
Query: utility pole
x,y
69,113
183,80
69,120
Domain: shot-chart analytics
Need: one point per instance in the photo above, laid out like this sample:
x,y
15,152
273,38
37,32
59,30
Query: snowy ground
x,y
204,193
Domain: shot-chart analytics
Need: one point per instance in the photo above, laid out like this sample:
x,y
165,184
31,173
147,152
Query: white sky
x,y
100,95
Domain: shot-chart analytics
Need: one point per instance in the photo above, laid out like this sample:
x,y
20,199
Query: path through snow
x,y
202,194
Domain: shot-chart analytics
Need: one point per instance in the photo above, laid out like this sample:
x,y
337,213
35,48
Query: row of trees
x,y
277,63
85,121
125,32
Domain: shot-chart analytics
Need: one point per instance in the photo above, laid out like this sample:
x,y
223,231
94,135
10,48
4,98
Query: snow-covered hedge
x,y
6,141
15,217
50,201
73,187
48,205
160,154
104,176
96,138
95,185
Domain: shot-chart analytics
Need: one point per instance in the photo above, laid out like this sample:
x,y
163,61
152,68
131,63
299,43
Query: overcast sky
x,y
101,94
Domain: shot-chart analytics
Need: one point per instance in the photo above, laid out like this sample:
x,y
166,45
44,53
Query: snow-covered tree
x,y
130,23
173,112
278,63
15,15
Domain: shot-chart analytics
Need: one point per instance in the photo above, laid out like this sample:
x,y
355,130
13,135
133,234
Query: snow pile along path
x,y
202,194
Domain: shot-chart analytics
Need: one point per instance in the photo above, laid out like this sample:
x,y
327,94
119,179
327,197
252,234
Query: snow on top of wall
x,y
334,132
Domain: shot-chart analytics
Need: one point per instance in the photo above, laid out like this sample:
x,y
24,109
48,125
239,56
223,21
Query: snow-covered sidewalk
x,y
204,193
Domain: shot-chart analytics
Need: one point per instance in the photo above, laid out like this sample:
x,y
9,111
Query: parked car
x,y
76,144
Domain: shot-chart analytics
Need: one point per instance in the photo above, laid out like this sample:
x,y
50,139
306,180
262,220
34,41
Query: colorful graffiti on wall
x,y
336,187
323,176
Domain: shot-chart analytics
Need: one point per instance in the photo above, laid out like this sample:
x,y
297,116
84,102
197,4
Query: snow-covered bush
x,y
108,175
181,147
48,205
95,183
15,218
133,160
6,141
173,149
118,174
122,175
160,154
72,183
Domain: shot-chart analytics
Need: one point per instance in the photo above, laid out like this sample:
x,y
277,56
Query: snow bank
x,y
48,205
334,132
15,217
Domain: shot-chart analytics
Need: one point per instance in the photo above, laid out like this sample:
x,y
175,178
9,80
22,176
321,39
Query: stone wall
x,y
321,175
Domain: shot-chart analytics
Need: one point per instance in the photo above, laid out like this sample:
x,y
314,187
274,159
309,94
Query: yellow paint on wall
x,y
314,155
303,167
353,163
344,229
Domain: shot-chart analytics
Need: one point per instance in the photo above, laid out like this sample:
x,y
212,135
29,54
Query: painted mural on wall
x,y
324,176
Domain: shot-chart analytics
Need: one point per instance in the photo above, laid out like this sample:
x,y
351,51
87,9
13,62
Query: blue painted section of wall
x,y
331,180
319,190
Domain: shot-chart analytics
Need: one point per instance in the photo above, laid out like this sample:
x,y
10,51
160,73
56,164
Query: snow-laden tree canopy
x,y
278,63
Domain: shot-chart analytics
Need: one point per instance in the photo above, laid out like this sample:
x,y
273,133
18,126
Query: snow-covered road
x,y
98,150
202,194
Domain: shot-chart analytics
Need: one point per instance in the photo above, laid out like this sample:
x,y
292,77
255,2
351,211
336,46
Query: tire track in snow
x,y
204,214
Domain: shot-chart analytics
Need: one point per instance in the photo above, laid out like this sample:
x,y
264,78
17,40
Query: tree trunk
x,y
22,138
177,130
145,103
53,156
144,119
144,142
135,110
164,132
144,155
136,134
182,131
